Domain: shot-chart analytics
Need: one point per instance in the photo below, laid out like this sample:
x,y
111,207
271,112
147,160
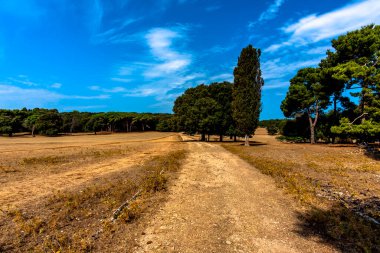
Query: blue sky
x,y
130,55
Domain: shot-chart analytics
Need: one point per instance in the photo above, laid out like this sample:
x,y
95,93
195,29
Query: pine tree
x,y
247,91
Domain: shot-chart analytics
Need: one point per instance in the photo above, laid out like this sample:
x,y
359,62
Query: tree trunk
x,y
313,123
208,137
335,117
312,128
221,137
234,138
246,140
312,135
203,138
72,125
33,128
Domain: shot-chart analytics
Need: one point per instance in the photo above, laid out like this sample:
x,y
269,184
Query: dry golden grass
x,y
59,194
338,184
79,220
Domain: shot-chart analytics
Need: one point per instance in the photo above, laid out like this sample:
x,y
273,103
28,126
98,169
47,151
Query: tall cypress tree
x,y
246,104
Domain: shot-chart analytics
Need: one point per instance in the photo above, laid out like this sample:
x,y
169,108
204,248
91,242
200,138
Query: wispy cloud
x,y
118,33
85,97
315,28
117,89
56,85
222,77
318,50
275,84
13,96
269,13
160,42
22,79
83,107
121,80
279,68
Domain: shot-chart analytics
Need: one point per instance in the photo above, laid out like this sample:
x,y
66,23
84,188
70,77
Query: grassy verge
x,y
79,220
329,184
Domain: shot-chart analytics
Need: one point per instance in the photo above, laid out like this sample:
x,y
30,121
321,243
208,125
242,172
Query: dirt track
x,y
222,204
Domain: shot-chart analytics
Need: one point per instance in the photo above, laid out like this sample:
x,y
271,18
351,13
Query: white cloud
x,y
161,88
222,77
85,97
275,84
111,90
16,97
82,107
278,68
167,73
121,80
315,28
318,50
118,33
56,85
166,68
269,13
169,60
23,79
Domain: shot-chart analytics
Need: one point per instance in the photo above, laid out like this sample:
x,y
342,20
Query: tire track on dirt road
x,y
222,204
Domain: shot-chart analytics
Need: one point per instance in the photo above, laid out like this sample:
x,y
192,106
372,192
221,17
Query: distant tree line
x,y
224,108
51,122
341,97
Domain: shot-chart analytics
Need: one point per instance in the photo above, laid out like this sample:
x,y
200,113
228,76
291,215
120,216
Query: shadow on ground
x,y
349,229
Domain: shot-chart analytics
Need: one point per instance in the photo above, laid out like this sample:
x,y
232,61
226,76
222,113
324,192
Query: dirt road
x,y
222,204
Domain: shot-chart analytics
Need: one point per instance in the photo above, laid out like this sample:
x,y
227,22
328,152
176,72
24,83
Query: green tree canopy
x,y
205,109
246,103
306,96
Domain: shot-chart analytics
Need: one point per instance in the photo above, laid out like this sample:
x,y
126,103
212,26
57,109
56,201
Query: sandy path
x,y
222,204
17,193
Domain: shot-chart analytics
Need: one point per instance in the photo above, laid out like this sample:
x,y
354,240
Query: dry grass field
x,y
338,185
59,194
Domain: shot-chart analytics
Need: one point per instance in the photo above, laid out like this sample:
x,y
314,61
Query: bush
x,y
296,139
272,130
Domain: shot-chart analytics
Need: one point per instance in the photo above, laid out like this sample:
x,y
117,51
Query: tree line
x,y
51,122
340,98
